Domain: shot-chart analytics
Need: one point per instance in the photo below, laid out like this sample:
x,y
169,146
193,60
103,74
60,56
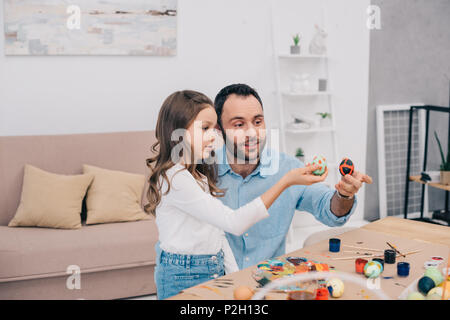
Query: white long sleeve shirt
x,y
191,221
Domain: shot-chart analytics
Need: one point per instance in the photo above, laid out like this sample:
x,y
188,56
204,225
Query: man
x,y
243,171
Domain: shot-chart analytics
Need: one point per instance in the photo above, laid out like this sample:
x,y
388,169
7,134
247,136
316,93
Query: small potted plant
x,y
295,49
325,119
300,155
445,165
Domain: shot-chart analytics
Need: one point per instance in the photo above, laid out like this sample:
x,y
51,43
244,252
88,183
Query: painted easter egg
x,y
425,284
243,293
435,274
415,296
336,287
373,269
346,166
435,294
322,162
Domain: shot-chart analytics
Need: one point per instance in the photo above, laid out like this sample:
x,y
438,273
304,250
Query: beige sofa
x,y
116,259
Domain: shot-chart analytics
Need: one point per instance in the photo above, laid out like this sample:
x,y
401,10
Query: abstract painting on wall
x,y
90,27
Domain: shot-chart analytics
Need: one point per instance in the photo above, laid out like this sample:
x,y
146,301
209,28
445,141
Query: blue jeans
x,y
176,272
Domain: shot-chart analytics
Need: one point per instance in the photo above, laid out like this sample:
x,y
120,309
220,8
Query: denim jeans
x,y
176,272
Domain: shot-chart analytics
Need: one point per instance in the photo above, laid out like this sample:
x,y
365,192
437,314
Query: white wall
x,y
219,42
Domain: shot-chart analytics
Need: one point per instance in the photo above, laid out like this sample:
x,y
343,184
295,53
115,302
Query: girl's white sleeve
x,y
187,195
229,259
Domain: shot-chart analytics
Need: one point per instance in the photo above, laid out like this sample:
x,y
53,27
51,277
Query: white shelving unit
x,y
301,56
306,104
291,134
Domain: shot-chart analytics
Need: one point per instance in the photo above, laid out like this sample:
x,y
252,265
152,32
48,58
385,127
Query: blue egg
x,y
425,284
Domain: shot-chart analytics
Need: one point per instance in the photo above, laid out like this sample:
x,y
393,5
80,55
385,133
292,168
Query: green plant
x,y
299,152
296,39
445,165
324,115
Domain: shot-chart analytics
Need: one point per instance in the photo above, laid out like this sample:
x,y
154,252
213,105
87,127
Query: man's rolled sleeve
x,y
330,219
316,199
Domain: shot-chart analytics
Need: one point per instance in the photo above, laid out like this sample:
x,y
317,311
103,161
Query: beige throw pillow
x,y
114,196
51,200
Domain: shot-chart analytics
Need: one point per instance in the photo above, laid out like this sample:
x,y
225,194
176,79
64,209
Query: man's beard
x,y
238,150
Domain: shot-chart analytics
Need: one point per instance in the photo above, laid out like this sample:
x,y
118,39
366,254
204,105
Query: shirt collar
x,y
224,167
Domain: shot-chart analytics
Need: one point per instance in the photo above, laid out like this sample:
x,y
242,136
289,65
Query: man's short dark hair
x,y
239,89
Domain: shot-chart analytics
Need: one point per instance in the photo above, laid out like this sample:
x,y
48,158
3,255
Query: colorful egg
x,y
425,284
336,287
435,274
435,294
346,167
322,162
243,293
416,296
373,269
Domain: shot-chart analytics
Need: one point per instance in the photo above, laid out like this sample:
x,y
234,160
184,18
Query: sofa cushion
x,y
51,200
114,196
29,253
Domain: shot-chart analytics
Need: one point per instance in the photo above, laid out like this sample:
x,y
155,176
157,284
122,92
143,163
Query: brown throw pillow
x,y
50,200
114,196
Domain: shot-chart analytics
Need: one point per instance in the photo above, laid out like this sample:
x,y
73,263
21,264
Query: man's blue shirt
x,y
267,238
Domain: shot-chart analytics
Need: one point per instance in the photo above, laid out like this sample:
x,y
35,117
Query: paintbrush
x,y
372,256
361,248
444,288
395,249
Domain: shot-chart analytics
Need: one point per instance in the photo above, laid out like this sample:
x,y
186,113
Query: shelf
x,y
305,94
301,56
431,184
311,130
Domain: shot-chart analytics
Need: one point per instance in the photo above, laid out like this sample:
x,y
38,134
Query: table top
x,y
407,235
410,229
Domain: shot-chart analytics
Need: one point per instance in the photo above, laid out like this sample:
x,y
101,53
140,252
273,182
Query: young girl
x,y
183,195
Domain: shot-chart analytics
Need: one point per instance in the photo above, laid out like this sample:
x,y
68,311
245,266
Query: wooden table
x,y
410,229
407,235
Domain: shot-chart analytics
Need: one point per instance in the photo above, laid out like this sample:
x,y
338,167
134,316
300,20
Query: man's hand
x,y
349,185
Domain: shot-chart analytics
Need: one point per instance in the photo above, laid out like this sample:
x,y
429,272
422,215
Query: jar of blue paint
x,y
335,245
403,269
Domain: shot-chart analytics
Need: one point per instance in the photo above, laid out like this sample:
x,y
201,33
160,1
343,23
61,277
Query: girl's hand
x,y
305,176
298,176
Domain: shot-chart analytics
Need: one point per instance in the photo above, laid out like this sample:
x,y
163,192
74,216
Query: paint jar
x,y
389,256
403,269
335,245
359,265
322,294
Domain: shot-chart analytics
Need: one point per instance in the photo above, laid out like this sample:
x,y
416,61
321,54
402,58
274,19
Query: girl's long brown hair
x,y
178,111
